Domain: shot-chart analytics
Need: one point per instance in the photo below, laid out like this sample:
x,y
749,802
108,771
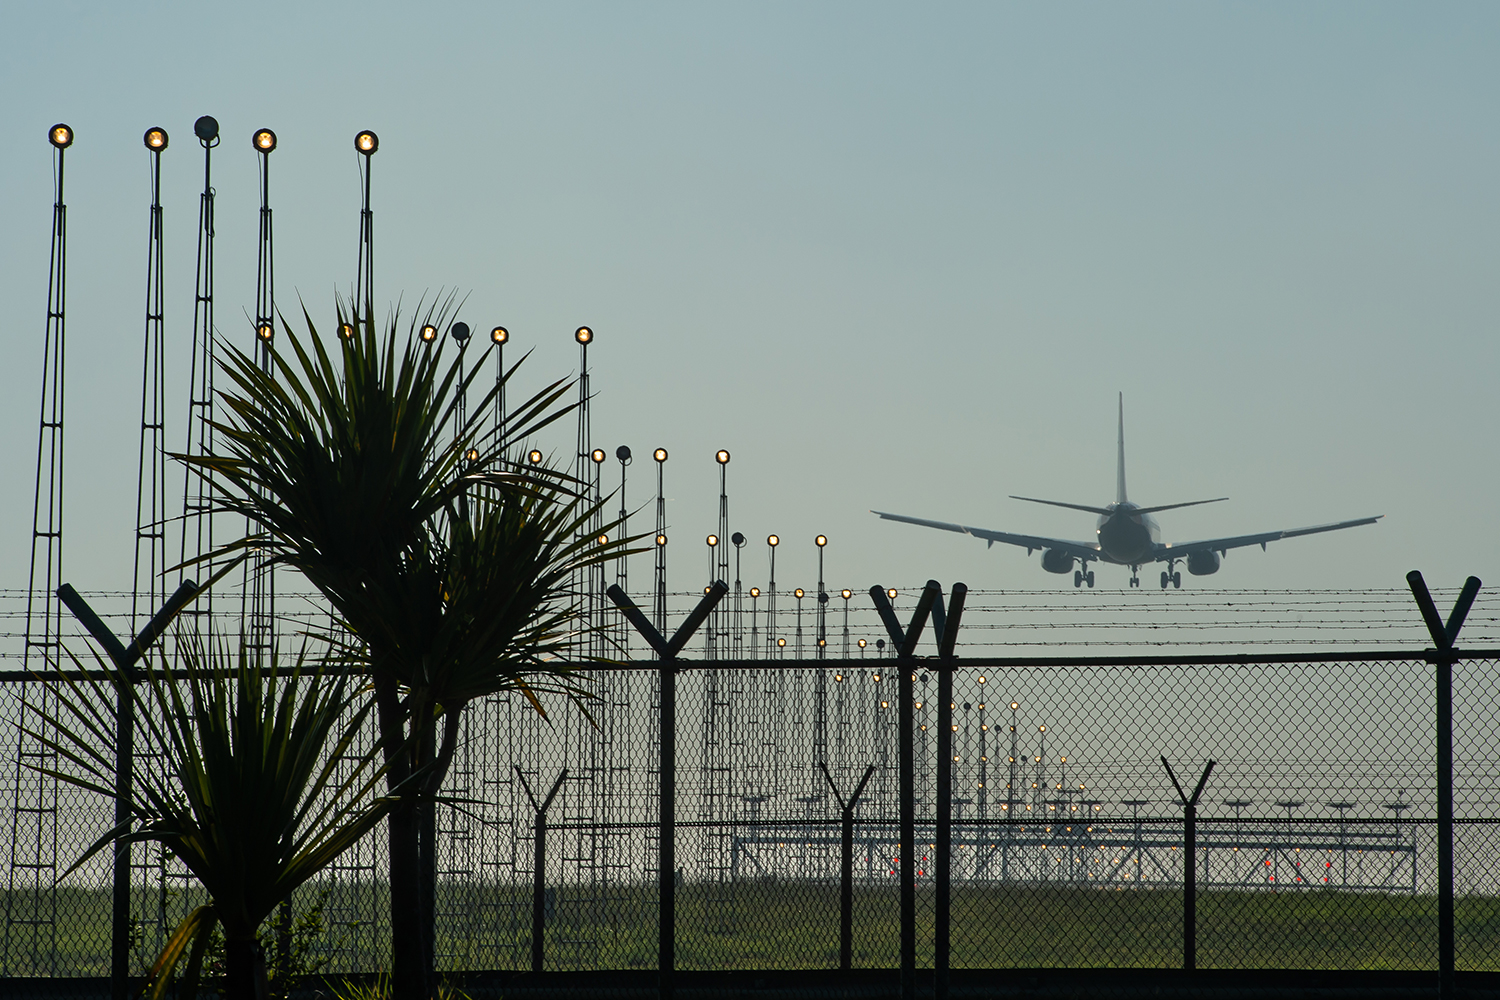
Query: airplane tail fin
x,y
1120,469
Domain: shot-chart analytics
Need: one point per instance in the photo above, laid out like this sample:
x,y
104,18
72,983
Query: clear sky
x,y
891,256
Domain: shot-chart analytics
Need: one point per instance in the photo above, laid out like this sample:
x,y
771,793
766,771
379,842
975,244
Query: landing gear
x,y
1135,576
1080,578
1171,576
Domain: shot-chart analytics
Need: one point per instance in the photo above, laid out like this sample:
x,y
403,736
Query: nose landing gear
x,y
1080,577
1135,576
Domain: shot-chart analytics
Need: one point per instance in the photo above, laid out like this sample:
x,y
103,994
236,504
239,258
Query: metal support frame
x,y
947,636
667,650
33,825
1443,656
1189,864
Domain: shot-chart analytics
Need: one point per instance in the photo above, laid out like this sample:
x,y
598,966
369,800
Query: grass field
x,y
794,925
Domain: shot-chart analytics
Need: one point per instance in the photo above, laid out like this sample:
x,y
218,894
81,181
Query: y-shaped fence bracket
x,y
1189,863
1443,656
666,885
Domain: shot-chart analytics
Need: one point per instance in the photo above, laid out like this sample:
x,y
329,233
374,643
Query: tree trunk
x,y
408,933
244,969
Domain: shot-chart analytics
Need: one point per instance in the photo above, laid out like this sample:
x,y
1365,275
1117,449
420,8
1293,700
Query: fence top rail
x,y
1428,655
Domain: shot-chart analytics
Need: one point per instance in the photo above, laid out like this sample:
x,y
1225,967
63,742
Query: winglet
x,y
1120,469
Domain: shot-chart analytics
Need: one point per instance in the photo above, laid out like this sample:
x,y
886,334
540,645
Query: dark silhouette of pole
x,y
906,646
667,650
1443,656
846,865
947,636
1189,865
539,868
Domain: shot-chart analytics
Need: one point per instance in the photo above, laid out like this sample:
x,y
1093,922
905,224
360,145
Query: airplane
x,y
1127,535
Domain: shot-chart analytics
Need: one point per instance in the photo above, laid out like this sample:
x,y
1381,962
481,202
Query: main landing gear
x,y
1135,576
1171,576
1080,577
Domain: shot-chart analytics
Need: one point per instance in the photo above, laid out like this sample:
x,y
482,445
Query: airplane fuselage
x,y
1126,536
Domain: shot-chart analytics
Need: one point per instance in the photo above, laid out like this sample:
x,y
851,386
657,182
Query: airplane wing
x,y
1082,550
1177,550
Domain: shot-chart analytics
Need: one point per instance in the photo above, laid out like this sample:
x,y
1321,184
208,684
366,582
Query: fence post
x,y
943,903
666,884
124,658
539,868
1443,657
1189,865
846,866
906,646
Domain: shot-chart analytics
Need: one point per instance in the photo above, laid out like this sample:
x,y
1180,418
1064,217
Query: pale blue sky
x,y
899,257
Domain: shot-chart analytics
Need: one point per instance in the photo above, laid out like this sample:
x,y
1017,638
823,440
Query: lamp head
x,y
1014,705
346,330
861,644
754,591
603,539
660,455
535,457
61,135
846,593
721,456
820,541
713,540
264,140
428,333
781,643
800,593
891,593
623,453
460,332
583,335
661,539
499,335
472,454
265,331
367,142
772,541
155,139
207,130
737,539
597,455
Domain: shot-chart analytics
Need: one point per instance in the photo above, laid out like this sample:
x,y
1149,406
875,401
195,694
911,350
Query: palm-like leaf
x,y
256,785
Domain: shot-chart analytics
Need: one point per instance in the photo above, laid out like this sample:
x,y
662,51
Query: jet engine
x,y
1058,561
1203,563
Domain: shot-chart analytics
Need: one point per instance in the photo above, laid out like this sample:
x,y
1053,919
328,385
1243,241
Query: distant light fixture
x,y
800,593
737,539
460,332
61,135
772,541
597,455
155,139
846,593
891,593
429,333
472,454
207,130
861,644
781,642
660,454
1014,705
264,140
583,335
535,456
721,456
754,591
623,453
499,335
367,142
265,331
820,541
713,540
603,539
346,330
661,539
822,643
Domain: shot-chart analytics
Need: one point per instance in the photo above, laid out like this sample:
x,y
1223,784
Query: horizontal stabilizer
x,y
1071,506
1174,506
